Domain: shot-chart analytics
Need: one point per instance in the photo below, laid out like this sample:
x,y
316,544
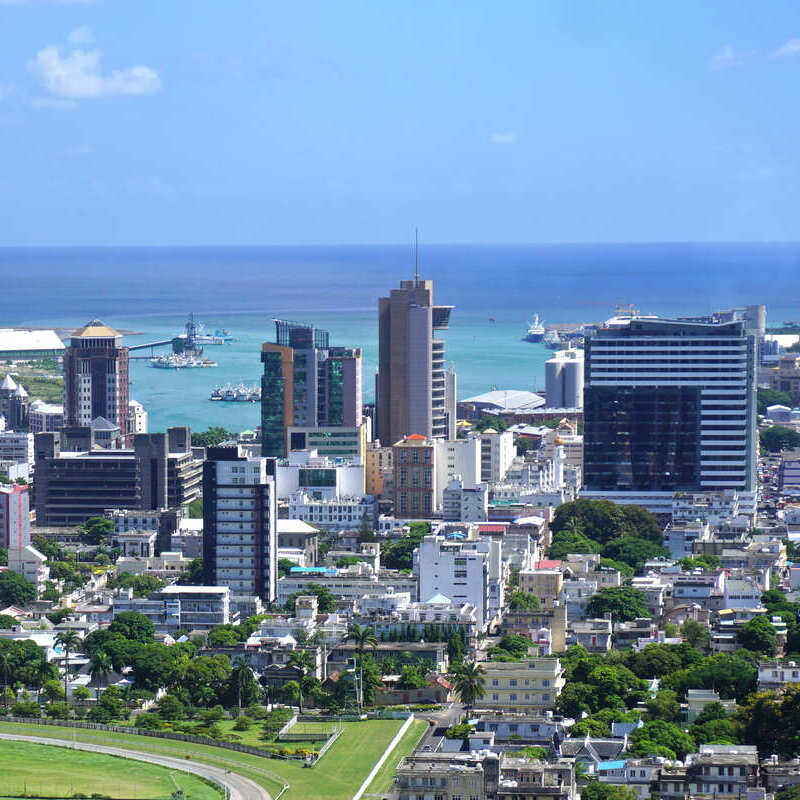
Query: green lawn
x,y
383,780
253,737
37,769
337,777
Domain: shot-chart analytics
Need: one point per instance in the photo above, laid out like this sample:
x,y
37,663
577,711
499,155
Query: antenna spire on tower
x,y
416,256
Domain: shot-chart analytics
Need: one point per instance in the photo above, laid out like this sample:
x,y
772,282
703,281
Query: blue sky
x,y
207,122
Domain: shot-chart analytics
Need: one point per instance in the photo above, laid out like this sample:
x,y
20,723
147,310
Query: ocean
x,y
495,291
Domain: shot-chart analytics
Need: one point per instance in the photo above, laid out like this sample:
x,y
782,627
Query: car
x,y
427,748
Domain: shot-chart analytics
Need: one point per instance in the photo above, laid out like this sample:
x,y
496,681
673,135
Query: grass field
x,y
253,736
337,776
37,769
383,780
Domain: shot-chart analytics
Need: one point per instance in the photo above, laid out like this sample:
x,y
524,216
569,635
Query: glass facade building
x,y
669,405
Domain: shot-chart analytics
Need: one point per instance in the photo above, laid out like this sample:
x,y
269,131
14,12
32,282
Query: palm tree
x,y
242,674
42,673
5,665
362,636
304,661
100,669
469,683
69,641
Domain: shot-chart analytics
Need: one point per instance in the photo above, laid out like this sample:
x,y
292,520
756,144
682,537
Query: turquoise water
x,y
490,354
152,290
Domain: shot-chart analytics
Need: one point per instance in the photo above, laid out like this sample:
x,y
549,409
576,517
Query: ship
x,y
236,394
535,332
175,361
220,335
552,340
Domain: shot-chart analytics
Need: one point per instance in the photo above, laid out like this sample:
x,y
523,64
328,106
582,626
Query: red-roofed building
x,y
547,563
492,527
414,477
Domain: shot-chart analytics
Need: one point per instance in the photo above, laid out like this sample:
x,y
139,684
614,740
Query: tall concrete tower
x,y
412,394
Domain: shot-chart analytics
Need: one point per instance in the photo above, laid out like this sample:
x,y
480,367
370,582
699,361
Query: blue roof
x,y
312,570
611,765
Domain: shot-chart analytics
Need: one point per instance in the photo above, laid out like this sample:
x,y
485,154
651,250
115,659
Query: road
x,y
442,720
240,788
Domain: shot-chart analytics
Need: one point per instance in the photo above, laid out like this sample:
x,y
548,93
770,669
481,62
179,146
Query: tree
x,y
779,437
170,707
363,637
624,602
15,590
326,602
634,551
571,541
195,508
100,669
69,642
7,622
523,600
241,676
96,529
664,734
470,683
134,626
303,661
52,690
759,636
696,634
193,575
595,790
664,706
211,437
365,531
731,674
285,566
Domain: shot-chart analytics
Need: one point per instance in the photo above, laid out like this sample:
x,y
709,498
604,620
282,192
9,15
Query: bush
x,y
243,724
26,708
149,721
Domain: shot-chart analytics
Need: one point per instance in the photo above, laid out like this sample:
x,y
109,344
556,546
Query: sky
x,y
246,122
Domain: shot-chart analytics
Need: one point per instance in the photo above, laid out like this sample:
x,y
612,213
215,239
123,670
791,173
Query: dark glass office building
x,y
669,405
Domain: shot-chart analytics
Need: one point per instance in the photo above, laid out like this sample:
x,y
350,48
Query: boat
x,y
535,332
552,340
184,361
220,335
236,394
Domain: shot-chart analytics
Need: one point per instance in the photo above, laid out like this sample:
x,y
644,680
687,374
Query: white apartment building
x,y
464,570
325,478
240,513
497,453
137,417
349,583
333,514
460,457
532,684
462,504
31,564
16,447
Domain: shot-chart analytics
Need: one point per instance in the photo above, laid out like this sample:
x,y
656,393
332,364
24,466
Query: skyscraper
x,y
306,383
412,386
669,405
96,377
240,544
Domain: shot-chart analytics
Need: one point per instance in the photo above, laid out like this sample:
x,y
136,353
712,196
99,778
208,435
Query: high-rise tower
x,y
306,383
412,386
669,405
96,377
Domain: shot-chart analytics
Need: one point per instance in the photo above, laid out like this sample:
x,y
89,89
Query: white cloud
x,y
788,49
504,137
77,74
726,57
81,35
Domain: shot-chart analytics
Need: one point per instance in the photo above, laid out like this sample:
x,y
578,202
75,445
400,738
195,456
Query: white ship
x,y
535,332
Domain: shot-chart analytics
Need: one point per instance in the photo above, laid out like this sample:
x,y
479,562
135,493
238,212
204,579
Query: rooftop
x,y
507,399
94,329
13,339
